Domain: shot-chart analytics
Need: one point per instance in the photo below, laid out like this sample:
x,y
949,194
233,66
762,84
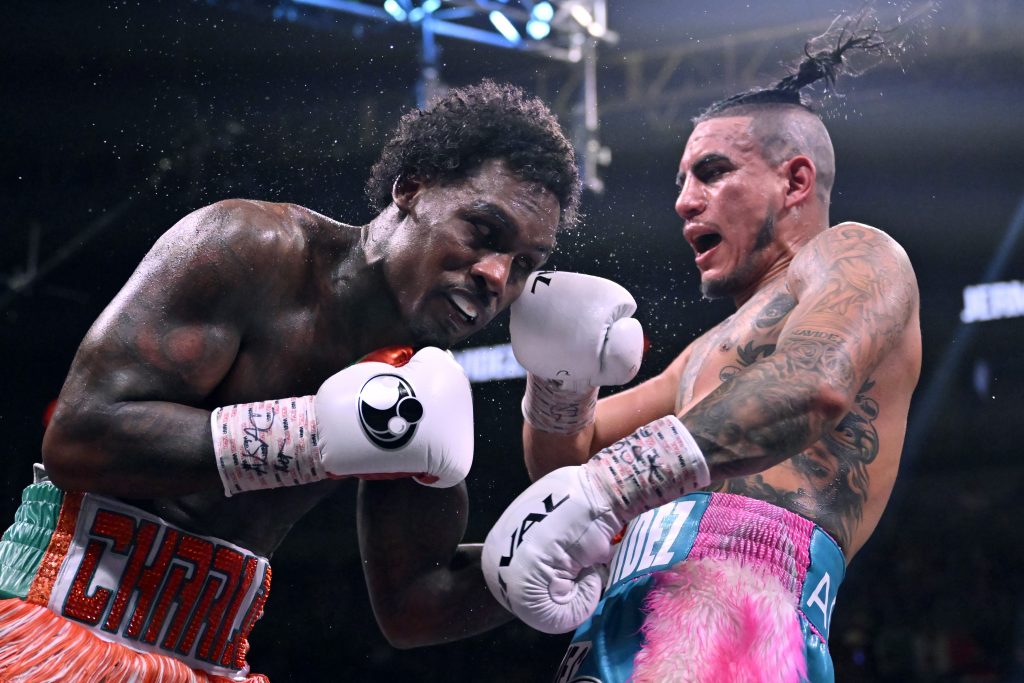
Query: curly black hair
x,y
453,137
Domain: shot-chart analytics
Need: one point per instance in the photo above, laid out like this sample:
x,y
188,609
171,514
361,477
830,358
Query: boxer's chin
x,y
730,284
718,288
429,332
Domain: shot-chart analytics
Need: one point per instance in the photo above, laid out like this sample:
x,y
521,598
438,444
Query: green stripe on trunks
x,y
25,541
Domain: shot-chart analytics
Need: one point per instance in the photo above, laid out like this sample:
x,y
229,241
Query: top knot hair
x,y
825,57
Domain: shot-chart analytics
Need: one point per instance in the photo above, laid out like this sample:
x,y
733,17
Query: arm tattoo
x,y
856,293
767,412
834,470
861,288
855,297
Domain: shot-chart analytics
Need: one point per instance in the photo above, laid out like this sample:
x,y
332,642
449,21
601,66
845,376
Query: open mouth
x,y
465,305
705,243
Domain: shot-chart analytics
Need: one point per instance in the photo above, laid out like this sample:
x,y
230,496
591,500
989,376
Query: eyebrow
x,y
498,215
495,213
702,163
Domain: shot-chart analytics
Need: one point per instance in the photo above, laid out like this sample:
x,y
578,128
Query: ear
x,y
801,179
405,191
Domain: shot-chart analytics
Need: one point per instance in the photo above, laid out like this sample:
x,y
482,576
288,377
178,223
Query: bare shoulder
x,y
245,225
855,285
215,259
851,240
853,253
240,240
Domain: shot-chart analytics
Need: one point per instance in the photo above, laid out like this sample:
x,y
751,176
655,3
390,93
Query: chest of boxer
x,y
734,344
842,481
286,358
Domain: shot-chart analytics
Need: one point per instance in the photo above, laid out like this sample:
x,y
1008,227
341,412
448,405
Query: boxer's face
x,y
465,249
729,197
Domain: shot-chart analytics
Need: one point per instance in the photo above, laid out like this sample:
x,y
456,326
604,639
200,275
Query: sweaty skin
x,y
223,310
843,480
800,398
246,301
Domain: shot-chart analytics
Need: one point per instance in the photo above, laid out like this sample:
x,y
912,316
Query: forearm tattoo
x,y
778,403
834,473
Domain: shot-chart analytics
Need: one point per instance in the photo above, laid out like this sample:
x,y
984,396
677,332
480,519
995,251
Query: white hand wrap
x,y
267,444
652,466
549,407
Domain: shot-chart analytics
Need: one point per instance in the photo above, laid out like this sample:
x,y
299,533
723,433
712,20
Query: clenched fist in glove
x,y
540,559
370,419
576,329
572,333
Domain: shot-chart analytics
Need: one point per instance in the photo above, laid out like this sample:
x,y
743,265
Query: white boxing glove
x,y
576,329
540,559
370,420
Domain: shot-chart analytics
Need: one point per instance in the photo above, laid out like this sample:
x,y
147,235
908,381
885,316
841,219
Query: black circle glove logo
x,y
389,411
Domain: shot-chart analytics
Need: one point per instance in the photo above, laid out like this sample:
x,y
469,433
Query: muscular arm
x,y
425,588
127,421
856,294
616,416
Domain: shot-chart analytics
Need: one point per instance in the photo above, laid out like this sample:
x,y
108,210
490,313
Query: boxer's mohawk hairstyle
x,y
851,45
468,126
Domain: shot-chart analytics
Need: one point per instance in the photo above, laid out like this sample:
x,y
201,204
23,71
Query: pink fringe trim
x,y
37,646
720,621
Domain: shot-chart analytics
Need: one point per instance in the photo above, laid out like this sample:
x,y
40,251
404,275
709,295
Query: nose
x,y
491,273
691,201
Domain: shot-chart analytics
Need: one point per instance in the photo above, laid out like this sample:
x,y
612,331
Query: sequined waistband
x,y
775,541
134,579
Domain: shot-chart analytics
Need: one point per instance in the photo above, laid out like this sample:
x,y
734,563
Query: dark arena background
x,y
121,117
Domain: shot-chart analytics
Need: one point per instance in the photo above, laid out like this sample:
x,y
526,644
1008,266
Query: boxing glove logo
x,y
389,411
571,663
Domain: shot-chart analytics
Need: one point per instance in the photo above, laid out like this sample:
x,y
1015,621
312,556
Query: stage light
x,y
538,30
539,25
395,10
583,17
285,12
431,6
543,11
505,27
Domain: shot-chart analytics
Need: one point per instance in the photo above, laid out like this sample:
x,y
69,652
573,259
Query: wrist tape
x,y
549,407
266,445
652,466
